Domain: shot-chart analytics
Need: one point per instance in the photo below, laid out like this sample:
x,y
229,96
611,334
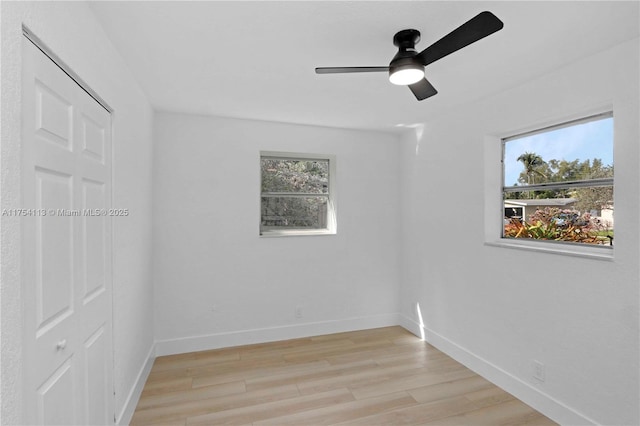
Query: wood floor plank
x,y
184,409
449,389
405,353
383,376
273,409
433,411
354,348
338,413
158,387
419,350
293,348
161,376
395,384
301,377
207,392
177,362
508,413
353,379
236,370
252,372
392,331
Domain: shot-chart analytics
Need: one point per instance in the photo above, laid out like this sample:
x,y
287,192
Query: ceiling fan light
x,y
406,75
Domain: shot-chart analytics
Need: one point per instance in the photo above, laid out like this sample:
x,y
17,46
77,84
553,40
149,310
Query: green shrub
x,y
552,223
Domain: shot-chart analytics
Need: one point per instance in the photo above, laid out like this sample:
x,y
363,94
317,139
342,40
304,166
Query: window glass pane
x,y
564,161
575,152
294,212
580,215
295,175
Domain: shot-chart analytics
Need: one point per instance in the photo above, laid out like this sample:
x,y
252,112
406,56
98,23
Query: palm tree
x,y
531,162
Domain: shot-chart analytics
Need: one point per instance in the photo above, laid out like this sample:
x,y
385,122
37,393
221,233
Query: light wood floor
x,y
384,376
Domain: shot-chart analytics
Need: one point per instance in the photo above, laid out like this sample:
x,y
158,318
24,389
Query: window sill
x,y
295,233
553,247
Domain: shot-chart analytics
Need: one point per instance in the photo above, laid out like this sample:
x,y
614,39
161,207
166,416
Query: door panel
x,y
54,250
96,366
55,406
94,239
66,180
53,116
93,139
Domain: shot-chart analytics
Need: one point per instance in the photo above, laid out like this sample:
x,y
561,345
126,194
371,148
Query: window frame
x,y
495,186
331,228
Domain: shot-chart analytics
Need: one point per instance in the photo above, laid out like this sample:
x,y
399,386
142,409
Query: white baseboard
x,y
271,334
134,396
545,404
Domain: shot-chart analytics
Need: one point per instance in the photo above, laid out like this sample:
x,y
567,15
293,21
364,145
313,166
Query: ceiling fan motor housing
x,y
405,58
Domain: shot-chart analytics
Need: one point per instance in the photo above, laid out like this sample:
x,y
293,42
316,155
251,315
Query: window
x,y
297,195
558,183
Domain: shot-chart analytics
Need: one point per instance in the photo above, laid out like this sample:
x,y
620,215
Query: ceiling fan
x,y
407,66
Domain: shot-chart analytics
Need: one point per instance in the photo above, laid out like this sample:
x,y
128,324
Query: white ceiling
x,y
256,59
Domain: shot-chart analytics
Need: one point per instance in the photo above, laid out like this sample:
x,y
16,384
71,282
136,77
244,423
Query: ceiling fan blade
x,y
476,28
423,89
341,70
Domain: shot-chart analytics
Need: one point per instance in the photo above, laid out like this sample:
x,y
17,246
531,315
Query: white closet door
x,y
66,181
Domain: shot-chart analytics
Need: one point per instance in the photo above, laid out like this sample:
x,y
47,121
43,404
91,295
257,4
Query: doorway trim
x,y
64,67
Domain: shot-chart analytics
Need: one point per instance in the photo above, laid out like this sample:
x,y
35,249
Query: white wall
x,y
72,32
219,284
497,309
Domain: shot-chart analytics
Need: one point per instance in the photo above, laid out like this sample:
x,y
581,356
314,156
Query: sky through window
x,y
583,141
